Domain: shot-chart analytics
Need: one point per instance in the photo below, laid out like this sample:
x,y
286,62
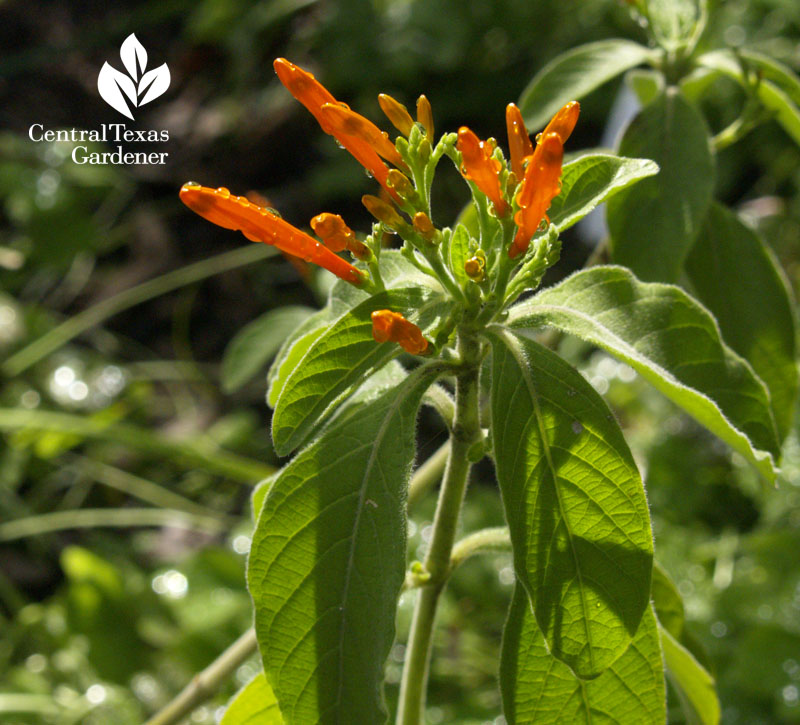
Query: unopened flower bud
x,y
400,183
425,115
475,266
382,211
423,224
397,113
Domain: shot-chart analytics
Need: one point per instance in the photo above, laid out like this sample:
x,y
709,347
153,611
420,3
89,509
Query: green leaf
x,y
695,687
590,180
340,359
575,73
328,558
733,273
778,89
458,251
672,342
654,223
257,342
574,502
254,704
539,689
292,351
673,22
667,602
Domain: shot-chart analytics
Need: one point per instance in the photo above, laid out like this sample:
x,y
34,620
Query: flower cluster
x,y
520,192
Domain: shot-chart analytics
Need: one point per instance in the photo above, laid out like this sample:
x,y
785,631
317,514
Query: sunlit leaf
x,y
591,180
539,689
695,687
671,341
574,74
340,359
778,89
254,704
328,559
574,502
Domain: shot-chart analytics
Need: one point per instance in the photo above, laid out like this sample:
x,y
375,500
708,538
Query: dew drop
x,y
577,427
223,192
191,185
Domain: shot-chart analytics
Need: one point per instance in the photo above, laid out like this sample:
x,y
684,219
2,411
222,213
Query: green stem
x,y
204,684
93,518
466,431
427,475
87,319
495,539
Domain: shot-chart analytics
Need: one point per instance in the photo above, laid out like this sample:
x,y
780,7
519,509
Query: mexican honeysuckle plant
x,y
453,319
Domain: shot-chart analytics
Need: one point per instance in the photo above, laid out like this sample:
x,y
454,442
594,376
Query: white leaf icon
x,y
134,56
111,84
154,83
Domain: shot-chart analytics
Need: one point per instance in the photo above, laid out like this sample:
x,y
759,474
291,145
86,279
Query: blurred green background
x,y
126,467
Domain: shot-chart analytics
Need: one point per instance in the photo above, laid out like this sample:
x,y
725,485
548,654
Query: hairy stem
x,y
466,431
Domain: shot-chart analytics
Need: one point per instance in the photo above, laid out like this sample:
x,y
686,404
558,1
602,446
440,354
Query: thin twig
x,y
204,684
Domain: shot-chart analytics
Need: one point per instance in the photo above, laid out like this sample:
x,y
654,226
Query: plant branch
x,y
204,684
479,542
466,431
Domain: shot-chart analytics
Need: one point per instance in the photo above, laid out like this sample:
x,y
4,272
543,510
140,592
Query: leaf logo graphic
x,y
136,88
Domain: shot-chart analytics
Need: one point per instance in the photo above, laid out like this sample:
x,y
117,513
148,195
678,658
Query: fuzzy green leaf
x,y
340,359
539,689
695,687
573,74
730,268
672,342
654,223
590,180
254,345
254,704
574,502
328,558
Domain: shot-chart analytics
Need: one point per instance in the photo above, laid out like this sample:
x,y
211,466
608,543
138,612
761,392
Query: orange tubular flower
x,y
345,122
388,326
519,143
313,95
260,225
539,187
480,167
564,121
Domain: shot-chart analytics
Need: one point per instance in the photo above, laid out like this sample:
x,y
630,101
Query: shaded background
x,y
106,624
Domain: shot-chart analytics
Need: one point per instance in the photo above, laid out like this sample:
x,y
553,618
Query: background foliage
x,y
104,620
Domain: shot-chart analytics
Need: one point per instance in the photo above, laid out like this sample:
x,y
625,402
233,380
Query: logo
x,y
139,86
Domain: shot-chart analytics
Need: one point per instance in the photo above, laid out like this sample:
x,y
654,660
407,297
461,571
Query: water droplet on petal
x,y
223,192
191,185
